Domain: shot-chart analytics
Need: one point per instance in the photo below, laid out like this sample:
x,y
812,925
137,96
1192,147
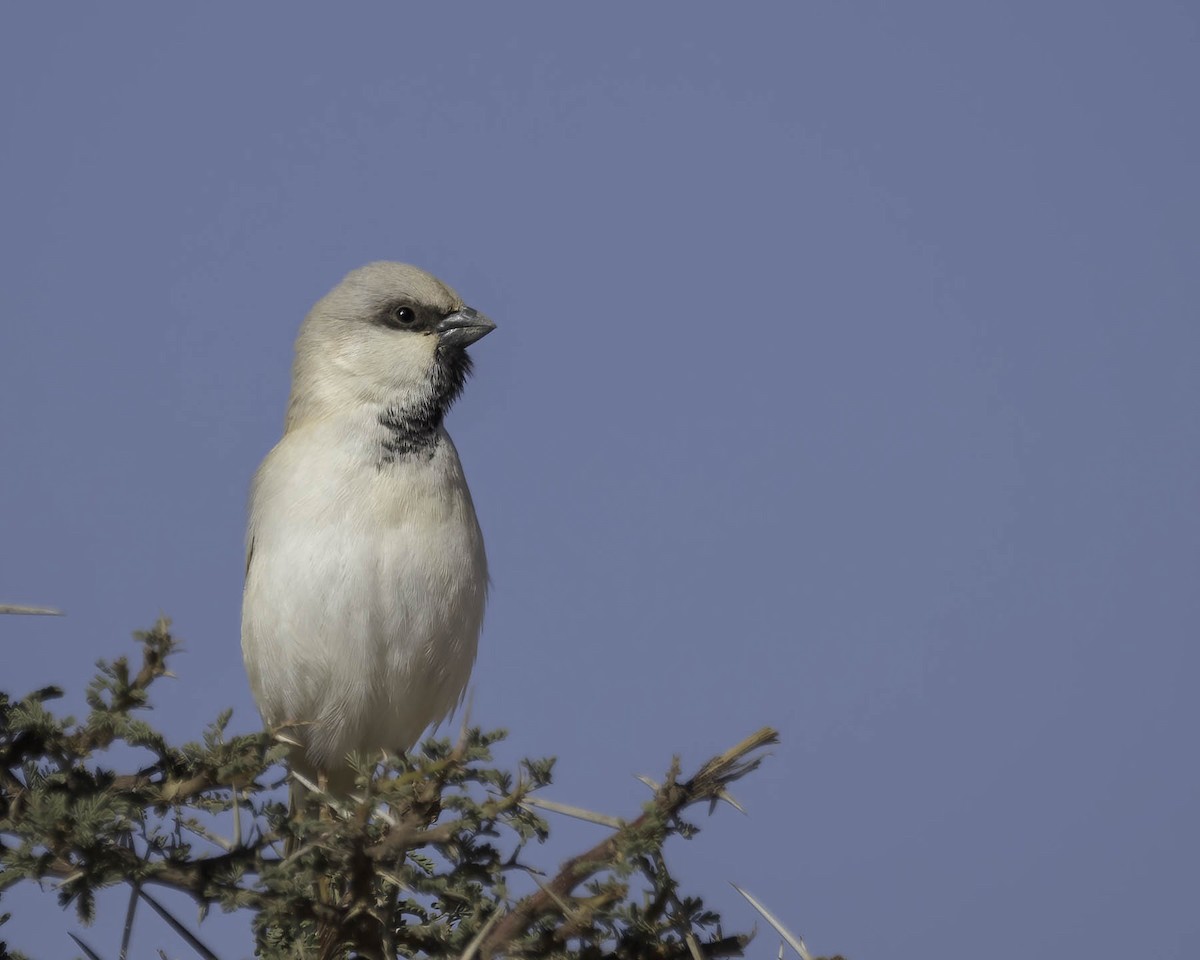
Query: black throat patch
x,y
414,430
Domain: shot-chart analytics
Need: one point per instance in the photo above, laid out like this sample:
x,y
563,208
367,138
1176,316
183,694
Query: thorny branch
x,y
420,863
670,800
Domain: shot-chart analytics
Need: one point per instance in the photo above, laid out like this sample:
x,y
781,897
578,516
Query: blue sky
x,y
846,381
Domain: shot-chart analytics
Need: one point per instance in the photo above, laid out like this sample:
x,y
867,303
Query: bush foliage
x,y
421,863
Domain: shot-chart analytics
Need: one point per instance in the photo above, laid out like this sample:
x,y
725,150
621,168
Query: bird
x,y
366,577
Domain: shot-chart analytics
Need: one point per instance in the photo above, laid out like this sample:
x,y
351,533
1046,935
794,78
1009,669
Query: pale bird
x,y
365,569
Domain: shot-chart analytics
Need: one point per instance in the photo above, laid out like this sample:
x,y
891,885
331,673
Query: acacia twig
x,y
671,799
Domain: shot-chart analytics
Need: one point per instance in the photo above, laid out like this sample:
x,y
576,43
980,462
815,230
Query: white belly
x,y
364,594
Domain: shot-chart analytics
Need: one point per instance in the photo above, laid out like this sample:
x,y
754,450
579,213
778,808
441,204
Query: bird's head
x,y
389,334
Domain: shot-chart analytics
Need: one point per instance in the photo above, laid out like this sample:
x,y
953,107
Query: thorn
x,y
192,940
795,942
562,905
92,954
237,817
466,718
728,798
127,934
479,937
19,610
577,812
383,815
303,780
193,827
395,881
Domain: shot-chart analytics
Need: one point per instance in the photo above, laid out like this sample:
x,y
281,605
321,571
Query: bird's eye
x,y
401,317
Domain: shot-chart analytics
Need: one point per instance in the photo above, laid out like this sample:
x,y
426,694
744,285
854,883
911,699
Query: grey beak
x,y
463,327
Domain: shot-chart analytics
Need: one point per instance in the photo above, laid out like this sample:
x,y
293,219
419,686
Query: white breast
x,y
364,592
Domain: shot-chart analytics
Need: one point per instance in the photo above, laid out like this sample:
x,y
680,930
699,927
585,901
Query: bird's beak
x,y
463,327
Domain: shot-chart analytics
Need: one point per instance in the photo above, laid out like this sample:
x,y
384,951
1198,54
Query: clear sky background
x,y
846,381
